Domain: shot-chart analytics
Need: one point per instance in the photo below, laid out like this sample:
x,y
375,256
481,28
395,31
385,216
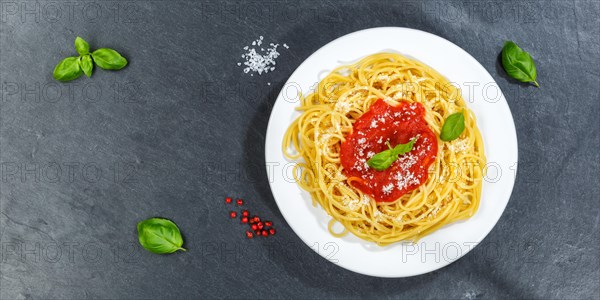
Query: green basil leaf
x,y
82,46
159,236
386,158
86,64
518,63
382,160
403,148
67,69
109,59
453,127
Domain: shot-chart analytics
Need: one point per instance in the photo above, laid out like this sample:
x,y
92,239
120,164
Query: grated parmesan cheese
x,y
399,218
342,106
365,200
387,189
459,145
352,204
377,214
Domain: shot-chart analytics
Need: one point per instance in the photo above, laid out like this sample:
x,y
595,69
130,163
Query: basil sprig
x,y
72,67
518,63
159,236
386,158
453,127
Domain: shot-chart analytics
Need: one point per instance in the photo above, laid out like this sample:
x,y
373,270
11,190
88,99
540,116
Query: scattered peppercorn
x,y
264,228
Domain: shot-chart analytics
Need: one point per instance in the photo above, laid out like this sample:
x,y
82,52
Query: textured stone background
x,y
182,127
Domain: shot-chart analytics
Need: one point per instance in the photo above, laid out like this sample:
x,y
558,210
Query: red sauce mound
x,y
396,124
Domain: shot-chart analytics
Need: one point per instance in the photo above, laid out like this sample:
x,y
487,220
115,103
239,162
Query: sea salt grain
x,y
260,60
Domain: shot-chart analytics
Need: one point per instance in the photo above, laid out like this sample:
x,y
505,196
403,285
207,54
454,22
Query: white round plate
x,y
447,244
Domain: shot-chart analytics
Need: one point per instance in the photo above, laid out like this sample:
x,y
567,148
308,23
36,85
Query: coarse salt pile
x,y
260,60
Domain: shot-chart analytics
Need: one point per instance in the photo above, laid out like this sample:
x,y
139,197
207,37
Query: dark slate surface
x,y
182,127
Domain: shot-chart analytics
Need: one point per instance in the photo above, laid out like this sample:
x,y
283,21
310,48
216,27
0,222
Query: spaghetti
x,y
451,188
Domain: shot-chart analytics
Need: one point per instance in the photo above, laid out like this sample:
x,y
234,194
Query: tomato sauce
x,y
396,124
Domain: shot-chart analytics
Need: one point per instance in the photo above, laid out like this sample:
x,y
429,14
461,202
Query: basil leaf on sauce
x,y
403,148
159,236
382,160
453,127
518,63
386,158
